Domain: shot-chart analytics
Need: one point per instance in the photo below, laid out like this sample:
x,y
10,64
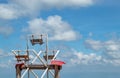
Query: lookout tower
x,y
44,61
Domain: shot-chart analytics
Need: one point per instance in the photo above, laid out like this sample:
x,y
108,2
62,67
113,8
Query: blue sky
x,y
87,32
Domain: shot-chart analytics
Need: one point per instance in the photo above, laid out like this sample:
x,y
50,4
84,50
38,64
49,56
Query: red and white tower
x,y
44,61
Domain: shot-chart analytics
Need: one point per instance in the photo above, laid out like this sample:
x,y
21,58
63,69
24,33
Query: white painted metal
x,y
44,73
36,57
36,76
44,63
25,73
56,54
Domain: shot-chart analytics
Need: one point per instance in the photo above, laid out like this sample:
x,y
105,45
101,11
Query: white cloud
x,y
110,49
75,58
68,3
94,44
17,8
6,12
6,30
43,4
112,45
54,26
91,58
80,58
13,11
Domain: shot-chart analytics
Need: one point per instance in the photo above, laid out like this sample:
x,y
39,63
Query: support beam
x,y
57,71
18,71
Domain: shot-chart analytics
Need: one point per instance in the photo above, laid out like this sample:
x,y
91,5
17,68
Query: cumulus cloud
x,y
7,12
6,30
17,8
82,58
13,11
54,26
110,49
96,44
74,58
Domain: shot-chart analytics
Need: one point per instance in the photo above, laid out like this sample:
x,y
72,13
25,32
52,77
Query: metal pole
x,y
39,58
18,72
34,74
24,73
44,73
47,48
36,57
56,55
47,54
56,72
28,58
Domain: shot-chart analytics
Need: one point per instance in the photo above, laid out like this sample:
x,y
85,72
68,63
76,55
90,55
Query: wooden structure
x,y
47,62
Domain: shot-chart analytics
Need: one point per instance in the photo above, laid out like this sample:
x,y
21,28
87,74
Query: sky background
x,y
87,33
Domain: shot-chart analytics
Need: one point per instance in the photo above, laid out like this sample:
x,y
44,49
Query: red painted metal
x,y
20,65
57,62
